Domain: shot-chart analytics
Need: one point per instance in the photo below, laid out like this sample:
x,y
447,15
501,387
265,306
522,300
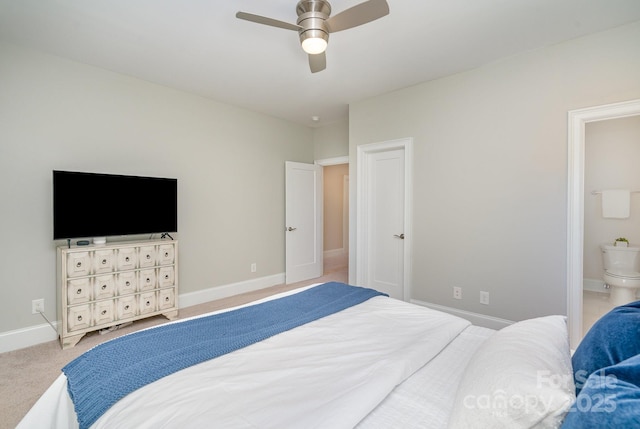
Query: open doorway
x,y
577,121
611,157
336,218
317,221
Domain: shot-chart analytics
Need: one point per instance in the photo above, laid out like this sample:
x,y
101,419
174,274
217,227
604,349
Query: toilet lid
x,y
632,275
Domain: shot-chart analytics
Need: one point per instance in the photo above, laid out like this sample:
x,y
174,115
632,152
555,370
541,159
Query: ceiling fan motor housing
x,y
311,17
314,24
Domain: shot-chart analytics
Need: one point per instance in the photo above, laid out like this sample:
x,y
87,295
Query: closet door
x,y
383,227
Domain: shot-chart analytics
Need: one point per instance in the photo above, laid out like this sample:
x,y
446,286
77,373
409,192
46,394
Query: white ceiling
x,y
200,47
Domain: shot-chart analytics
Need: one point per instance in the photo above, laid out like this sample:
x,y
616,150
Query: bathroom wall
x,y
612,160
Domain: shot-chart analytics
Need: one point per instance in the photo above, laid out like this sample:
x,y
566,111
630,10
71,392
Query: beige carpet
x,y
25,374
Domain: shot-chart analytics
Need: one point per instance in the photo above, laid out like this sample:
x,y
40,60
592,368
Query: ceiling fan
x,y
315,23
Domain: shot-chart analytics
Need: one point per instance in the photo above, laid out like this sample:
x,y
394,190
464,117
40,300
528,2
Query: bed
x,y
368,362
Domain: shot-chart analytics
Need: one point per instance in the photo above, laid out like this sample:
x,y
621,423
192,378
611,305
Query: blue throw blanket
x,y
105,374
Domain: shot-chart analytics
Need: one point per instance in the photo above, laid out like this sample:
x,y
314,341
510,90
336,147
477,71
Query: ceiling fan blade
x,y
357,15
317,62
267,21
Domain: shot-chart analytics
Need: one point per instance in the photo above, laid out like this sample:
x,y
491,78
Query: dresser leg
x,y
171,315
68,342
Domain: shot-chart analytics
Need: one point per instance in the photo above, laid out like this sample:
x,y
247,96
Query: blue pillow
x,y
609,399
612,339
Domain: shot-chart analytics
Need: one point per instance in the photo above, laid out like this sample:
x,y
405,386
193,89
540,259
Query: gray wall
x,y
331,140
490,169
229,162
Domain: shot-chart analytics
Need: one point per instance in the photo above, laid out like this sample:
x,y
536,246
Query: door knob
x,y
401,236
291,229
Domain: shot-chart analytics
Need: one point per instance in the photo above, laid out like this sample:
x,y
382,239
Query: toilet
x,y
621,272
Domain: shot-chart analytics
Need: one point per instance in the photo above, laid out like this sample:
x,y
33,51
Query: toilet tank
x,y
620,258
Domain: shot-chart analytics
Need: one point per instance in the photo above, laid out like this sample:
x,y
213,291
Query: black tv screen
x,y
101,205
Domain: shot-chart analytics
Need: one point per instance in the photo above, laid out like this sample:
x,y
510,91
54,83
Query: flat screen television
x,y
101,205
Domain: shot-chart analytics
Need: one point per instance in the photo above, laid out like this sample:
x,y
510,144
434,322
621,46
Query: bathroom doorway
x,y
577,120
612,153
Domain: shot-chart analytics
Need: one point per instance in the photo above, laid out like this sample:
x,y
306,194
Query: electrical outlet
x,y
37,306
457,292
254,267
484,297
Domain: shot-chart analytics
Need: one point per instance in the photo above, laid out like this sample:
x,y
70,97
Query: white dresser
x,y
106,285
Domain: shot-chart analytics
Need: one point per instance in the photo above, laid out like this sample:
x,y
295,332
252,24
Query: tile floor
x,y
594,306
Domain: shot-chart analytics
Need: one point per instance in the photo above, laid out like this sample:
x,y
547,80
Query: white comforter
x,y
329,373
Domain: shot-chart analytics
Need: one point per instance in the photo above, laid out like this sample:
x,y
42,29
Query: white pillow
x,y
520,377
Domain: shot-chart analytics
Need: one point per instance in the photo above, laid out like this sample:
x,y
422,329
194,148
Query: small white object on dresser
x,y
107,285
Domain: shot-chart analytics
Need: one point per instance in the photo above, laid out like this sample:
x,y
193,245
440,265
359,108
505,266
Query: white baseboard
x,y
219,292
475,318
27,337
37,334
334,252
594,285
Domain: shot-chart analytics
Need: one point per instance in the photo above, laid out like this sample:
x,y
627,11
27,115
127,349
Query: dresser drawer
x,y
127,259
78,291
147,302
78,264
126,283
166,298
147,279
166,254
104,287
103,312
127,307
166,276
78,317
147,256
103,261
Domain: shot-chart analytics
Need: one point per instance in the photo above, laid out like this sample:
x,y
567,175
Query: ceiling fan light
x,y
314,45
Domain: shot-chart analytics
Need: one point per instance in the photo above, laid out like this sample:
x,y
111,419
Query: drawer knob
x,y
148,256
104,312
166,276
79,291
78,264
126,307
128,283
104,287
148,303
104,262
126,259
166,254
79,318
166,299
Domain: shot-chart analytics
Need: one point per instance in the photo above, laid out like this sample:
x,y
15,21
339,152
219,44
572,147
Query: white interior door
x,y
303,222
384,218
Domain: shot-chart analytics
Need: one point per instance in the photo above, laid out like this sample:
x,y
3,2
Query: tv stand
x,y
111,284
